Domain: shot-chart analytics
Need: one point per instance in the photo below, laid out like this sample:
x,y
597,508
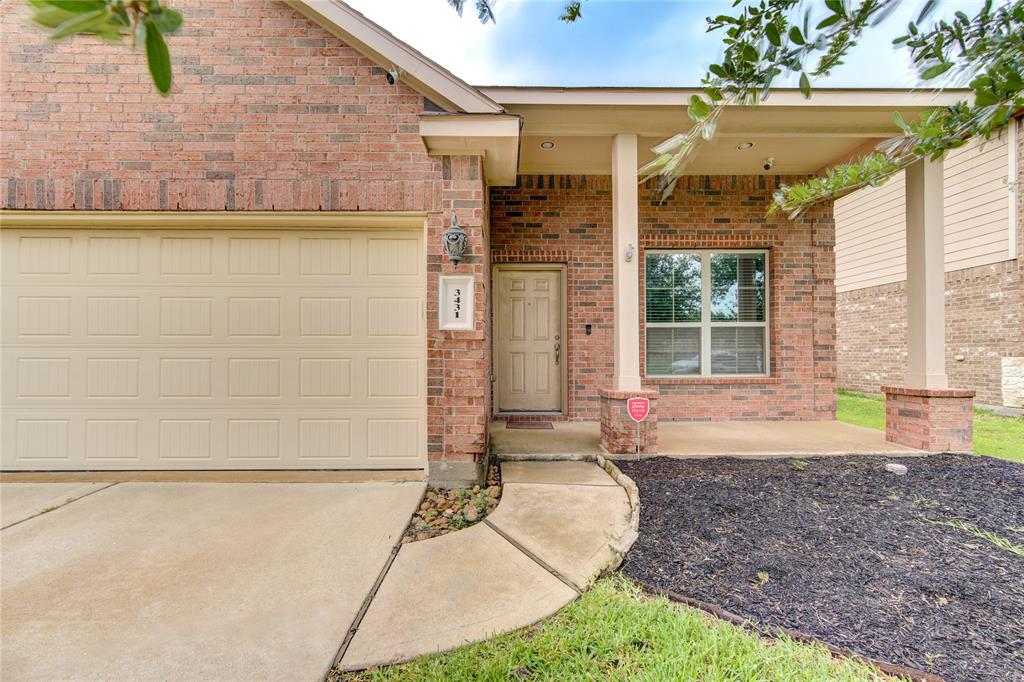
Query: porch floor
x,y
703,439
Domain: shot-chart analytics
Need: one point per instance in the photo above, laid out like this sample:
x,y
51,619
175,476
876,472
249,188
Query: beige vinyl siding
x,y
870,234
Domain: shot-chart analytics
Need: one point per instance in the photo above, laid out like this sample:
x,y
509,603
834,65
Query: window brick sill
x,y
698,381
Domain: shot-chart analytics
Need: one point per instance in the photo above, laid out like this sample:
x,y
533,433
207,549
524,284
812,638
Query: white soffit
x,y
495,137
425,75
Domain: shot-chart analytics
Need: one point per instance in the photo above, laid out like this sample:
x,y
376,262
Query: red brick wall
x,y
269,112
567,219
984,323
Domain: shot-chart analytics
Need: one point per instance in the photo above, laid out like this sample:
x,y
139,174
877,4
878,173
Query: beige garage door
x,y
201,349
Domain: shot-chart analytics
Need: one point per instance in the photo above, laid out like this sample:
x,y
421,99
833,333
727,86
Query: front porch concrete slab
x,y
450,590
21,501
555,473
773,439
571,528
190,581
566,440
582,440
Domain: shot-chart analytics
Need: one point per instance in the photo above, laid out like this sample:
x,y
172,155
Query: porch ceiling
x,y
803,136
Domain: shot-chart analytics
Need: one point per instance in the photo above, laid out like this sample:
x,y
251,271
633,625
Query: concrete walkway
x,y
557,526
238,581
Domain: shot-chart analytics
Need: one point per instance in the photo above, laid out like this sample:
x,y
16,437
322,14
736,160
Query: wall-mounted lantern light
x,y
455,239
629,253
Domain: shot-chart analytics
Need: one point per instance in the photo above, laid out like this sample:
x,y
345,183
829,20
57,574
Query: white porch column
x,y
625,220
926,280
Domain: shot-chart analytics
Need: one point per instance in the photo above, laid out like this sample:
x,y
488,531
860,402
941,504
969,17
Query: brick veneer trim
x,y
928,422
930,392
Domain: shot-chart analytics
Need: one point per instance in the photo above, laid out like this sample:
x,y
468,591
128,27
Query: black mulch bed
x,y
838,548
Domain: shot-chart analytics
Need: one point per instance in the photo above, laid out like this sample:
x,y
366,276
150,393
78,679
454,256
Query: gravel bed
x,y
445,510
889,566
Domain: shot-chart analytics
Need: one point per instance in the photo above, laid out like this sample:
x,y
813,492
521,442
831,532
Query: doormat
x,y
524,424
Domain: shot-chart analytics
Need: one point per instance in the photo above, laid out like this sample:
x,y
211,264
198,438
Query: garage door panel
x,y
190,439
132,315
213,350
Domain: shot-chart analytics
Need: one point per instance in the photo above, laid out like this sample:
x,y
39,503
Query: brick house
x,y
249,274
984,276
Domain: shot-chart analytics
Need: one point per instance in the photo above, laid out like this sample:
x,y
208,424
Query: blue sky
x,y
617,43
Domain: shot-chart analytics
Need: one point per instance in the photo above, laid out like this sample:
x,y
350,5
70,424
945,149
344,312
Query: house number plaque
x,y
456,297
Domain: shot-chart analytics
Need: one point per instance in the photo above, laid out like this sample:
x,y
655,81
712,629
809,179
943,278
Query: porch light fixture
x,y
454,240
547,144
629,253
744,146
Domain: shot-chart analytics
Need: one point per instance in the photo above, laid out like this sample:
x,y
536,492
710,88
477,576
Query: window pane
x,y
737,287
687,287
673,351
673,287
659,270
738,350
659,305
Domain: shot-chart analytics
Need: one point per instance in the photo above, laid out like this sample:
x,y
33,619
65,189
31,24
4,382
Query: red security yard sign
x,y
638,408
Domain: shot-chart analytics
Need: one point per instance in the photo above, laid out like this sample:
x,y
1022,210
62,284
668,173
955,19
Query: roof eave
x,y
421,73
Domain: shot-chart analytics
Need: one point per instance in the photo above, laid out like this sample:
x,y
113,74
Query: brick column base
x,y
932,419
618,430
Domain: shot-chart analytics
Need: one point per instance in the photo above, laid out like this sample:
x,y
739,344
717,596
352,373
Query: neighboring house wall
x,y
281,117
567,219
984,288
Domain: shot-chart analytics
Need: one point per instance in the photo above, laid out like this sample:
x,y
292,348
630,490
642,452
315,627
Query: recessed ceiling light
x,y
547,144
744,146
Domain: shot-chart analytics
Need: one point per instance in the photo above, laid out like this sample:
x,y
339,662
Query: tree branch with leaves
x,y
146,21
765,42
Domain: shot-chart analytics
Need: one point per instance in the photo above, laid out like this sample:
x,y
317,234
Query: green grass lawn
x,y
994,435
616,632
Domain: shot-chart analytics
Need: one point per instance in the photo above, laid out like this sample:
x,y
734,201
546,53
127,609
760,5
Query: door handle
x,y
558,349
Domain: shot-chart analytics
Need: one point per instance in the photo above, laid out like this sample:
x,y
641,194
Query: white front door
x,y
529,348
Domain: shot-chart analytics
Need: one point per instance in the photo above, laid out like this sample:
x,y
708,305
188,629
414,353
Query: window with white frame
x,y
706,313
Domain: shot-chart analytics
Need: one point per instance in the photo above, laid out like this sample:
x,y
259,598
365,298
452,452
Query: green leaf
x,y
698,109
159,59
73,6
81,23
718,71
796,36
805,85
50,17
772,33
140,33
936,70
167,20
828,21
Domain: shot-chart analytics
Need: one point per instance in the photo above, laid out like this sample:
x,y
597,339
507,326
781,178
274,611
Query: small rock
x,y
476,489
470,513
493,491
425,506
422,536
897,469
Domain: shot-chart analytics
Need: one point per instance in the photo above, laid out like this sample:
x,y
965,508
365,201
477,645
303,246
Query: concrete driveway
x,y
189,580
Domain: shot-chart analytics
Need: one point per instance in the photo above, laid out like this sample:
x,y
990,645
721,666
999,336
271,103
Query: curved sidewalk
x,y
558,526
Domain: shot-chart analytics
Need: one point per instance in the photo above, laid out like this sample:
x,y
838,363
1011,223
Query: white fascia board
x,y
494,137
425,75
646,97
